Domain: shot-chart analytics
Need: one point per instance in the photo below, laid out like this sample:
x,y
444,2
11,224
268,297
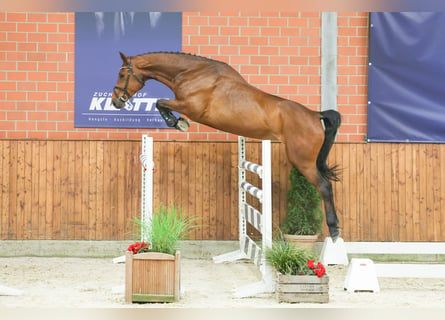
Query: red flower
x,y
138,247
310,264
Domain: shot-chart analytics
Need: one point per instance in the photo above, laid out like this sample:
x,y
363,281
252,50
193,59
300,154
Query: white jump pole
x,y
146,158
147,182
262,221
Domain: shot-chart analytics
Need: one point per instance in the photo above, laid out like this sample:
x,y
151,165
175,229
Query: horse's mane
x,y
185,54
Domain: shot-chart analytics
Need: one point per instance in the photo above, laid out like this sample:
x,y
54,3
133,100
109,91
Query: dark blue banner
x,y
99,38
407,77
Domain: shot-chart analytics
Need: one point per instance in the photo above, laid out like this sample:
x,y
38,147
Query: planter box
x,y
152,277
300,241
302,289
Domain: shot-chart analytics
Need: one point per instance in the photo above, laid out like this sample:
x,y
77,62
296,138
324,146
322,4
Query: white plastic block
x,y
334,253
361,276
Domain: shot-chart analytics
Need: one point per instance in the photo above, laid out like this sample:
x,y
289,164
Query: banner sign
x,y
406,89
99,38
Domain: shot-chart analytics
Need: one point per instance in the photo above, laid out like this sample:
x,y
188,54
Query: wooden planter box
x,y
302,289
152,277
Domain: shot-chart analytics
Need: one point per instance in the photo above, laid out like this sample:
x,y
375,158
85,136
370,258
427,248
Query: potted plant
x,y
304,216
152,271
300,278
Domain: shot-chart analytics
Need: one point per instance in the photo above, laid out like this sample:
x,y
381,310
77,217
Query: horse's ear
x,y
124,57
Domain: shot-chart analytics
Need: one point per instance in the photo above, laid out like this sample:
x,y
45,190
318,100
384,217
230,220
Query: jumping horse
x,y
213,93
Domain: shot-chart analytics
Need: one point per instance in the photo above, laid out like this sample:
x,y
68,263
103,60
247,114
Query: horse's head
x,y
128,83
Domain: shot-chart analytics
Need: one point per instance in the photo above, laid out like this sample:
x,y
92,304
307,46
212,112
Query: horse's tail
x,y
331,120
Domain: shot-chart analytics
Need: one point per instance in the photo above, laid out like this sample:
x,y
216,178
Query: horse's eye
x,y
121,75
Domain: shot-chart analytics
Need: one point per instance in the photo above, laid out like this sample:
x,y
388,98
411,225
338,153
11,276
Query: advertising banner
x,y
99,38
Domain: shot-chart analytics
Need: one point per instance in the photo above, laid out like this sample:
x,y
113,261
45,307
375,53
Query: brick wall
x,y
275,51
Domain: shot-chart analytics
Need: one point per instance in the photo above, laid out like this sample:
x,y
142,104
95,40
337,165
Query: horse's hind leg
x,y
324,187
307,166
325,190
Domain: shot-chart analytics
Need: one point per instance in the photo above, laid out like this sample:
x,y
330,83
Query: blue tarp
x,y
406,93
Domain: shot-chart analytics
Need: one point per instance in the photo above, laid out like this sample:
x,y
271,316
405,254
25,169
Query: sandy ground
x,y
98,283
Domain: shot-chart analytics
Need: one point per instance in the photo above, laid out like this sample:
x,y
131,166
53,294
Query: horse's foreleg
x,y
168,116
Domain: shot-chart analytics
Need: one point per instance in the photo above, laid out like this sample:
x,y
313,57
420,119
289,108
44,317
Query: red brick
x,y
196,20
209,30
218,21
238,60
56,57
16,75
230,31
238,21
26,86
57,116
38,96
250,31
37,76
37,135
37,37
57,17
37,17
46,86
37,116
47,47
36,56
259,22
16,95
17,135
7,125
26,46
57,96
25,126
15,17
8,26
249,50
27,27
65,86
7,65
48,66
199,40
26,66
239,41
58,135
47,27
231,50
46,126
16,36
13,115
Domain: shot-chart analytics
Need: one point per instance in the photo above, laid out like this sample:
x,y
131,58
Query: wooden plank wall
x,y
90,190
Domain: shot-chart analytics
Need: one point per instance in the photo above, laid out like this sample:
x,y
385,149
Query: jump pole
x,y
146,159
262,221
147,182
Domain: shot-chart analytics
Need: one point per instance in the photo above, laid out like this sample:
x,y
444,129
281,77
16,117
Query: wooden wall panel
x,y
90,190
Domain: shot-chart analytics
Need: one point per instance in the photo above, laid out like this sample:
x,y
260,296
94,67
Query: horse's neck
x,y
162,68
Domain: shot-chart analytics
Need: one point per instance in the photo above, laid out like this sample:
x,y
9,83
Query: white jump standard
x,y
262,221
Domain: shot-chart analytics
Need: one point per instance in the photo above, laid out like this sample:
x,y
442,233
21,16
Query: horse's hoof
x,y
182,125
335,233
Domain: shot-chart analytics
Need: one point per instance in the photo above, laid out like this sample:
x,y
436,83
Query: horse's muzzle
x,y
118,103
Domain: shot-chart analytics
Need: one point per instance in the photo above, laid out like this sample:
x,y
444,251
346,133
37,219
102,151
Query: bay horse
x,y
213,93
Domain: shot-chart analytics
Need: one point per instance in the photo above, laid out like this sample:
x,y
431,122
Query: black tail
x,y
331,120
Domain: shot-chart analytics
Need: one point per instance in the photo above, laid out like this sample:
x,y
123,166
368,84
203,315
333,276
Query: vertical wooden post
x,y
129,277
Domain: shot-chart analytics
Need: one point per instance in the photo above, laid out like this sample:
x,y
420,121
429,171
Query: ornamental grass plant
x,y
167,227
290,260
